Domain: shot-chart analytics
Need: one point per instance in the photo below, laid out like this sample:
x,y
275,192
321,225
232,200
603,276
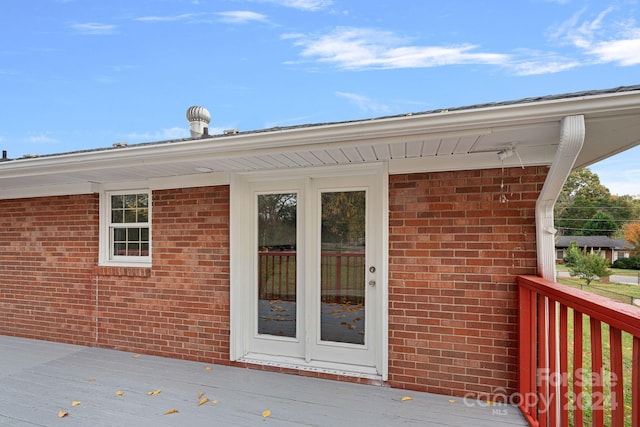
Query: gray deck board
x,y
37,379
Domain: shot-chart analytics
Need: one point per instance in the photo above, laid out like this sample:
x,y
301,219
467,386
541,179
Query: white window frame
x,y
105,255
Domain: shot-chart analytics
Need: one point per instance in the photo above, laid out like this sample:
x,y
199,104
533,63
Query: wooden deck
x,y
38,379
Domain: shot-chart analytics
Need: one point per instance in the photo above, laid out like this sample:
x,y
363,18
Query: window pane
x,y
143,215
130,200
117,217
119,234
130,216
143,201
277,264
144,234
133,234
117,202
342,270
119,249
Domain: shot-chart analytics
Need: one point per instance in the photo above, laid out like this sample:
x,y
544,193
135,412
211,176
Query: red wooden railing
x,y
342,278
544,394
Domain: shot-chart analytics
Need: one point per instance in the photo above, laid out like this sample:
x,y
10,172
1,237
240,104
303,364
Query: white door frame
x,y
243,265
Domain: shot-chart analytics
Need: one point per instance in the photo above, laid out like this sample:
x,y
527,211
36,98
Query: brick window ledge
x,y
123,271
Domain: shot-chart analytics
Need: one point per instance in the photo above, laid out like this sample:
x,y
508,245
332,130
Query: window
x,y
127,228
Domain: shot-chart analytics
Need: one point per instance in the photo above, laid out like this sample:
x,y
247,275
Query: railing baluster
x,y
635,383
617,376
543,361
552,401
578,414
564,365
597,372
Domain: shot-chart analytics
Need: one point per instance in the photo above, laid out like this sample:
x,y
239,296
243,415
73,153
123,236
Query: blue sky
x,y
81,74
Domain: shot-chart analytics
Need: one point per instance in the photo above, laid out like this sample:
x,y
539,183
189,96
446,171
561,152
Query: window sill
x,y
124,270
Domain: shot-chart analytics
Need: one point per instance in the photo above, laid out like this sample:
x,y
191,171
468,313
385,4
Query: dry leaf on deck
x,y
266,413
119,392
171,411
135,356
203,401
62,414
452,401
208,368
92,380
405,398
200,394
75,403
154,392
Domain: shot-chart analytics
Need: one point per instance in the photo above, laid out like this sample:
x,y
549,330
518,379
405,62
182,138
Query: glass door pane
x,y
342,269
277,264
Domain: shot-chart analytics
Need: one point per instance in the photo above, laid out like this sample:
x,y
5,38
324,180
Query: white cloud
x,y
310,5
606,38
362,48
94,28
180,17
232,17
624,52
41,139
363,103
242,17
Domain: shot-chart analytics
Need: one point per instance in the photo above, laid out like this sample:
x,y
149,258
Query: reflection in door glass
x,y
342,270
277,264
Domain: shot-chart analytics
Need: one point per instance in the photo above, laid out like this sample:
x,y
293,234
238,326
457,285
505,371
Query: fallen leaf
x,y
214,402
62,414
75,403
452,401
200,394
203,401
405,398
135,356
119,392
171,411
490,402
154,392
266,413
92,380
208,368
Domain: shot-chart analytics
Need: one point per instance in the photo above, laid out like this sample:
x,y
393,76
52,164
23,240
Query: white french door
x,y
308,276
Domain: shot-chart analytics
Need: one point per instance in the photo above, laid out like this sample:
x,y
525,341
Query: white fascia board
x,y
530,156
50,191
165,183
434,125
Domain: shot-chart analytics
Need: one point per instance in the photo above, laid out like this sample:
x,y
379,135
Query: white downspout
x,y
572,134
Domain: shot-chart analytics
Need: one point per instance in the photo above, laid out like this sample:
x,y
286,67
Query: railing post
x,y
526,354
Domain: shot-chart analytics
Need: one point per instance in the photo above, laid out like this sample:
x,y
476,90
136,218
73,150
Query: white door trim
x,y
241,214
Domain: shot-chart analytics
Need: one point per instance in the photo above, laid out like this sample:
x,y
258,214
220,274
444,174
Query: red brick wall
x,y
180,306
52,288
454,253
48,248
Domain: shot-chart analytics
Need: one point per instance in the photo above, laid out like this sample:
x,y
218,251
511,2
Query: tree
x,y
632,235
573,254
590,266
583,202
600,224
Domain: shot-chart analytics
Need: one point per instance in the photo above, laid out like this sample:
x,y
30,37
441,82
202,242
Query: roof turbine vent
x,y
199,119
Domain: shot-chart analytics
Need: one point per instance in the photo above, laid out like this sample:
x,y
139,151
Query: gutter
x,y
572,135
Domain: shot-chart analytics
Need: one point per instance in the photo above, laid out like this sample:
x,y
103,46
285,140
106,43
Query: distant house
x,y
609,248
384,251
